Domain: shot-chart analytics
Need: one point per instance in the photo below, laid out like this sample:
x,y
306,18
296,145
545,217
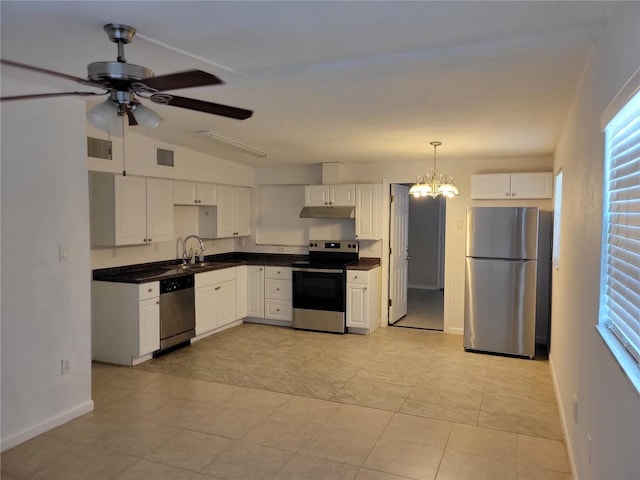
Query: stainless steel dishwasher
x,y
177,312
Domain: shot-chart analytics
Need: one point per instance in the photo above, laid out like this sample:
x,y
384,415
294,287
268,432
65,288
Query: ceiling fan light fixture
x,y
146,118
101,115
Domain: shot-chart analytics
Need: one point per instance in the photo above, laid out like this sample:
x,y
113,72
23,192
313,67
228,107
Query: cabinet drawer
x,y
277,310
357,276
283,273
277,289
148,290
216,276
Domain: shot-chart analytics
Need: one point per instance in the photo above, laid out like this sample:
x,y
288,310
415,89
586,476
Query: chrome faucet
x,y
185,257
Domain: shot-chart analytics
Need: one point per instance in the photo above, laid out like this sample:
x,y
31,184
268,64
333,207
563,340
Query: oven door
x,y
319,289
319,300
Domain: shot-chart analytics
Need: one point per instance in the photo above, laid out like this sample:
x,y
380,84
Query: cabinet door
x,y
241,291
207,194
278,310
357,306
184,193
342,195
205,309
130,210
532,185
494,186
159,210
225,302
316,195
368,225
242,211
224,214
148,326
255,292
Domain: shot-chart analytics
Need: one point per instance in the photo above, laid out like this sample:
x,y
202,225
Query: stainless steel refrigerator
x,y
507,279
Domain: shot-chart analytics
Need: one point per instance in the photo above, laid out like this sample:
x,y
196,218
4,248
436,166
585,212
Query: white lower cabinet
x,y
125,321
269,294
241,291
215,297
363,300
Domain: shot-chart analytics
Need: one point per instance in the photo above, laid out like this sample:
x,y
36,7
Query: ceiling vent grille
x,y
164,157
99,148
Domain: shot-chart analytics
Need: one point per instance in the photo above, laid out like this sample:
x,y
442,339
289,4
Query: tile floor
x,y
262,402
425,310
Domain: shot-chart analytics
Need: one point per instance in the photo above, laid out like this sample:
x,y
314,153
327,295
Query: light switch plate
x,y
63,253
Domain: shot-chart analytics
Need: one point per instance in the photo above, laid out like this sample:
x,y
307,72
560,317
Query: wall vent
x,y
99,148
165,157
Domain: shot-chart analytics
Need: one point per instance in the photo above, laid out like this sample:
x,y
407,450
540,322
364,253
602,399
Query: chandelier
x,y
434,184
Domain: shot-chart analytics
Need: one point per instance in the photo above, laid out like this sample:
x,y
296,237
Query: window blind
x,y
620,288
557,213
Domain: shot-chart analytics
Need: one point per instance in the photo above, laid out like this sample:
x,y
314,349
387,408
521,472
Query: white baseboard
x,y
454,330
48,424
563,420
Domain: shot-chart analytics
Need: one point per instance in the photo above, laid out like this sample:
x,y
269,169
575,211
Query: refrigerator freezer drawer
x,y
500,306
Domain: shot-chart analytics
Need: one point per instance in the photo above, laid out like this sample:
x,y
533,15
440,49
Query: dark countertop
x,y
152,272
365,263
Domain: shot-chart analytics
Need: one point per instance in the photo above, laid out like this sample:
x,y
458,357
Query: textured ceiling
x,y
336,81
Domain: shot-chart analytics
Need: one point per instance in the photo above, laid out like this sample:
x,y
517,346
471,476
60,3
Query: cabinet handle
x,y
150,290
260,270
158,302
364,289
277,309
217,288
277,289
513,194
506,194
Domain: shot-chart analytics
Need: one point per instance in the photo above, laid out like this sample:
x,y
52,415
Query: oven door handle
x,y
316,270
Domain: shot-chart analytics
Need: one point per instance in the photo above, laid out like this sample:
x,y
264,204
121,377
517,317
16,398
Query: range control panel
x,y
349,246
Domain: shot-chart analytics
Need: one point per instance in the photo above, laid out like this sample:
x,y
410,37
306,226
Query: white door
x,y
398,243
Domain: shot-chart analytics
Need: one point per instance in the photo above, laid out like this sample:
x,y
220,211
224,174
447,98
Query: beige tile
x,y
248,461
104,395
307,409
121,377
307,387
259,401
8,476
522,422
395,373
193,389
532,473
307,467
375,394
145,470
407,459
449,413
425,431
190,450
282,433
463,466
363,419
135,404
434,394
340,444
179,412
228,422
367,474
543,453
483,441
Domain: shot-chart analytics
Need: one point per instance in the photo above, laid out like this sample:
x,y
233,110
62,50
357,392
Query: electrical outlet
x,y
575,408
65,366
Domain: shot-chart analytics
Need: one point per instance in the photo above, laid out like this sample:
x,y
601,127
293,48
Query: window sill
x,y
624,359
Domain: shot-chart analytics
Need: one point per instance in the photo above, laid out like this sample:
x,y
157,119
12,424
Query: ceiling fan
x,y
126,83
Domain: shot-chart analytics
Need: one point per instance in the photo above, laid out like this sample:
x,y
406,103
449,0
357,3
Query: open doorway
x,y
424,237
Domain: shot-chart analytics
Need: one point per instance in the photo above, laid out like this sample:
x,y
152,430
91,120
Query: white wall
x,y
46,310
608,405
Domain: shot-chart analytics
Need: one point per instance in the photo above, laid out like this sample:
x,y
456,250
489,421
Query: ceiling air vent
x,y
165,157
98,148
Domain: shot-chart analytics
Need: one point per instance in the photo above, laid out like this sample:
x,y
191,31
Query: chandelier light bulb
x,y
434,184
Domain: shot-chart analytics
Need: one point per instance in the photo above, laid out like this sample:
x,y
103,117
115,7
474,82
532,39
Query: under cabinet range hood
x,y
328,212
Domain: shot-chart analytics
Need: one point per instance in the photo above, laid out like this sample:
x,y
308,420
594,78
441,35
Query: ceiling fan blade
x,y
24,66
48,95
201,106
174,81
132,119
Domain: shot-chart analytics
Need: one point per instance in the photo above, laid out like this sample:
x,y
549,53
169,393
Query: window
x,y
557,213
620,277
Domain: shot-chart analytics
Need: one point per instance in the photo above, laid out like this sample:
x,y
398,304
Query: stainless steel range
x,y
319,286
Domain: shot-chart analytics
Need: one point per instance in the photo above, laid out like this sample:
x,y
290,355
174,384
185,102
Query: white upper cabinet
x,y
233,216
330,195
368,212
512,186
130,210
191,193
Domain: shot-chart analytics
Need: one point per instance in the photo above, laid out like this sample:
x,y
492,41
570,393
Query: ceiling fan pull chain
x,y
124,157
